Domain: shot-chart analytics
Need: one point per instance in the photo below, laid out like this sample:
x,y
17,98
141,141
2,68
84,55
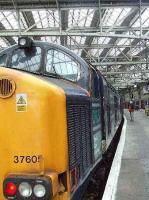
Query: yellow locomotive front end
x,y
50,127
33,143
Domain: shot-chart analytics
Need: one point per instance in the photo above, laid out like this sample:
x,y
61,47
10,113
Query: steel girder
x,y
10,40
38,4
126,22
28,16
10,33
95,23
118,63
63,25
125,72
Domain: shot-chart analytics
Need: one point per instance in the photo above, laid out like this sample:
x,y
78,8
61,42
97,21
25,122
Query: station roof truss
x,y
111,34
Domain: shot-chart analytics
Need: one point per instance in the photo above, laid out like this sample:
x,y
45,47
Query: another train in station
x,y
58,116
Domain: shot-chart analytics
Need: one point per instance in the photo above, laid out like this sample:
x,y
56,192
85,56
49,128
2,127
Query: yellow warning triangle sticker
x,y
21,100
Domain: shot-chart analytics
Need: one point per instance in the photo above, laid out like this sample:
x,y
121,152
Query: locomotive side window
x,y
3,60
63,65
95,84
27,59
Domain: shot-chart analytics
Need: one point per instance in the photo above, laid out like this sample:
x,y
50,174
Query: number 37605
x,y
27,159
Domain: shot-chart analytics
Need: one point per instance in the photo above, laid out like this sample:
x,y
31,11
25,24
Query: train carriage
x,y
57,111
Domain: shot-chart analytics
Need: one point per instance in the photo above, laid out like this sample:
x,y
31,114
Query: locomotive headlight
x,y
25,189
25,42
29,187
39,190
22,41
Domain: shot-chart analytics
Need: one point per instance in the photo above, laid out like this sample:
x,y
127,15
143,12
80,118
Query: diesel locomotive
x,y
58,116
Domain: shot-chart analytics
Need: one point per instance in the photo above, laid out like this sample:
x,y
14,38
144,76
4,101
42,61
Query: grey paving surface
x,y
133,183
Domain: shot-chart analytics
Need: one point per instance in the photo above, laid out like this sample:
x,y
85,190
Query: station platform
x,y
129,175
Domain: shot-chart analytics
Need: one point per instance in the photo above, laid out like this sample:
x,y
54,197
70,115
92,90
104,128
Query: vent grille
x,y
79,136
7,87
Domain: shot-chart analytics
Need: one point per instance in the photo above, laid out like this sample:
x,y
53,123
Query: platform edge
x,y
111,185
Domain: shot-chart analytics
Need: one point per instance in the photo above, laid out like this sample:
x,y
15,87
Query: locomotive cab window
x,y
3,59
27,59
61,64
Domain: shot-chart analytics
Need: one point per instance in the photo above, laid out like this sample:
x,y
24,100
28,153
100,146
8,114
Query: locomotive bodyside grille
x,y
79,136
7,87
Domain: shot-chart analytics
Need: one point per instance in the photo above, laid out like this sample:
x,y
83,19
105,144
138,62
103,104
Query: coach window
x,y
3,59
63,65
26,59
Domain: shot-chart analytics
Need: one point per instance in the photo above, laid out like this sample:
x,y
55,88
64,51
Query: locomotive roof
x,y
47,45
